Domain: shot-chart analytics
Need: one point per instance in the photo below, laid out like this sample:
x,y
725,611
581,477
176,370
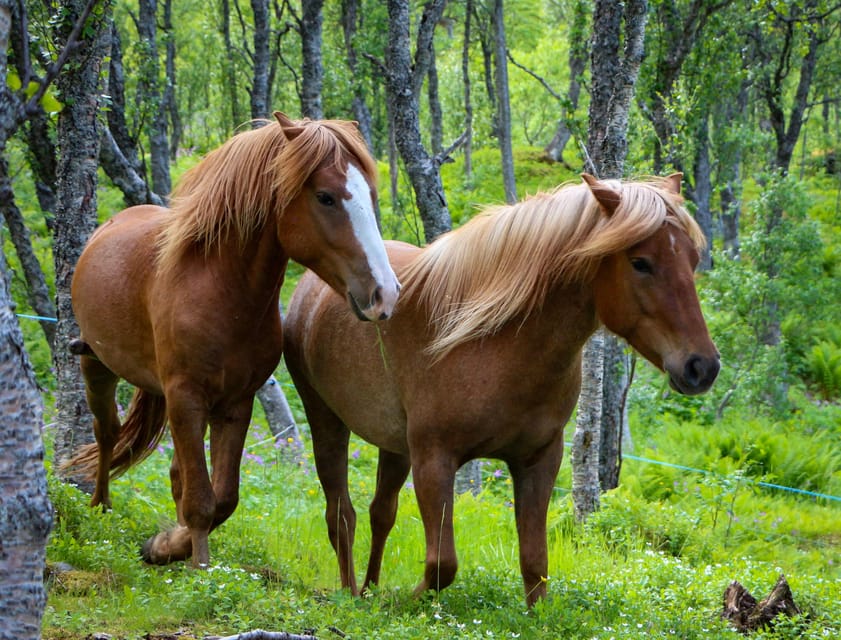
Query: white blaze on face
x,y
361,212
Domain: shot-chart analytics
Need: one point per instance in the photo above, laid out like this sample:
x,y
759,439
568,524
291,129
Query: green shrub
x,y
824,369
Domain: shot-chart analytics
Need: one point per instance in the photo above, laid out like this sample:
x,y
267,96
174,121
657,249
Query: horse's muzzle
x,y
699,373
379,307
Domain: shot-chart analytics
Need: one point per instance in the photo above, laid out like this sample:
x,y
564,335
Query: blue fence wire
x,y
628,456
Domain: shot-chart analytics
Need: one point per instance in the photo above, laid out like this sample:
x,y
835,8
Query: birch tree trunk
x,y
25,510
503,104
260,106
587,437
78,141
279,416
613,80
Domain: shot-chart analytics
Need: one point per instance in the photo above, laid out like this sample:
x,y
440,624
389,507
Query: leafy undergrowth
x,y
642,567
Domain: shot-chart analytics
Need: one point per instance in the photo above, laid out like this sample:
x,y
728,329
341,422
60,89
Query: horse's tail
x,y
142,429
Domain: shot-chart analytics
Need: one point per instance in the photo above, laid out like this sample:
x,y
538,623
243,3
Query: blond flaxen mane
x,y
501,264
254,175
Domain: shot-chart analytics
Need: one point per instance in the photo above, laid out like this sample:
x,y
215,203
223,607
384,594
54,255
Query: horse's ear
x,y
608,198
284,120
287,125
673,182
355,123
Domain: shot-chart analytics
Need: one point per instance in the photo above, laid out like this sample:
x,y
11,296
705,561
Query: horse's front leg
x,y
392,470
533,485
433,473
228,429
187,422
330,448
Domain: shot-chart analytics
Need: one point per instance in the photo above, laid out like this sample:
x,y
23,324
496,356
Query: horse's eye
x,y
325,198
641,265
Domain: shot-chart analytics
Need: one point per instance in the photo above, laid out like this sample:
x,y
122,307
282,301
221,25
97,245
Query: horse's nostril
x,y
694,370
377,296
700,371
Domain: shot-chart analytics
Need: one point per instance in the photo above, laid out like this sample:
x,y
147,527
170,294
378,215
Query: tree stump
x,y
746,614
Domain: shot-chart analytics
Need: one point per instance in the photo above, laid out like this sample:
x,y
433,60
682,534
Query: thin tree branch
x,y
545,84
259,634
54,69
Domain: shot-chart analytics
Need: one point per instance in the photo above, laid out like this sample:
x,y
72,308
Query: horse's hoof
x,y
146,552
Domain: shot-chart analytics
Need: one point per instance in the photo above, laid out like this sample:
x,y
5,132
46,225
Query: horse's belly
x,y
108,293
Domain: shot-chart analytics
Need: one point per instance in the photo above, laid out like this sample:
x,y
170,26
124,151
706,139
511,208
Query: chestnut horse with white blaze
x,y
183,304
482,356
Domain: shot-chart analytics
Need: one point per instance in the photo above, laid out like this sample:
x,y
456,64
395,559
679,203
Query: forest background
x,y
742,483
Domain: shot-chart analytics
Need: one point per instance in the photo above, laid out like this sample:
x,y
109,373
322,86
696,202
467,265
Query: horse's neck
x,y
568,317
260,265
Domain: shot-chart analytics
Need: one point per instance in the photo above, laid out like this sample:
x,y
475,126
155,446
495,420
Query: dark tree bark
x,y
780,57
578,53
170,97
41,148
729,170
78,141
42,161
312,70
260,107
118,147
679,29
503,105
613,80
775,77
468,103
116,115
123,174
403,83
485,29
351,20
36,283
229,66
702,191
436,114
149,94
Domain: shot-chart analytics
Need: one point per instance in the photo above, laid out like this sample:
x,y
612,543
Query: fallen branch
x,y
259,634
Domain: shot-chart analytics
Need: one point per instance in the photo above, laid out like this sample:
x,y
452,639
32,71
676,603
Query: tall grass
x,y
653,562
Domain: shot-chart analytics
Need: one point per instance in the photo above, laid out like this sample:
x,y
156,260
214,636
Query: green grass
x,y
654,562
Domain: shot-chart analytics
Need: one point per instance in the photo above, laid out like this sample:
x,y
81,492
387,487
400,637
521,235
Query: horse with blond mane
x,y
183,304
482,357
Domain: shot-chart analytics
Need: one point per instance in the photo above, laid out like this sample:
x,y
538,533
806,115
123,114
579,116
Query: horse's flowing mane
x,y
501,264
252,176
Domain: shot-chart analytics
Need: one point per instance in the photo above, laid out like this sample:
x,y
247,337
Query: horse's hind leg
x,y
533,485
392,470
100,389
330,448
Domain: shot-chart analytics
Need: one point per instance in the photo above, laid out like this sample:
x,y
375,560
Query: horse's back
x,y
109,291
